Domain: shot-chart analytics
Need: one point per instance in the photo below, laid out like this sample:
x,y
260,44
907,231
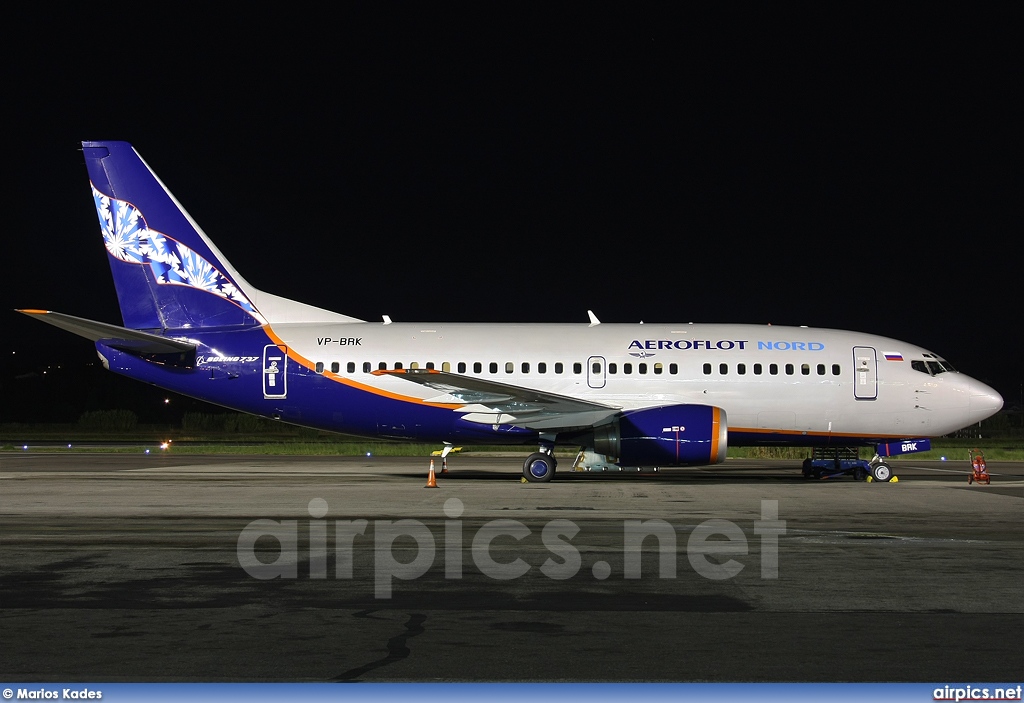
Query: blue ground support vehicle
x,y
833,462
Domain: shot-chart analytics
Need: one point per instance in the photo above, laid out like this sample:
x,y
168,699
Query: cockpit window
x,y
932,367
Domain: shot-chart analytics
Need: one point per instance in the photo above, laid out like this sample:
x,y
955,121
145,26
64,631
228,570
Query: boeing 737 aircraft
x,y
632,395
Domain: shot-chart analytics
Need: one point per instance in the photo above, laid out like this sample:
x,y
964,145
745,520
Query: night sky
x,y
856,167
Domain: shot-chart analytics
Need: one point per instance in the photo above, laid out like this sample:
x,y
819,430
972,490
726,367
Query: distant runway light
x,y
367,453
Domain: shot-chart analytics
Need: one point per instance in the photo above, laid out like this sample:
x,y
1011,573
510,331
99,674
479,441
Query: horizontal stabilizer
x,y
112,335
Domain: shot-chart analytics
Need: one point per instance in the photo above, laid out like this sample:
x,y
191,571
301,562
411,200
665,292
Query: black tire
x,y
859,474
881,472
539,467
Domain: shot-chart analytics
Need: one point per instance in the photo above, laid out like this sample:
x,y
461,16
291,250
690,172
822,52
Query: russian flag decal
x,y
892,356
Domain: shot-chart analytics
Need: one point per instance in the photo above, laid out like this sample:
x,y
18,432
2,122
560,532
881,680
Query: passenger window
x,y
350,367
741,369
595,367
773,369
613,368
319,367
542,367
658,368
461,367
398,366
673,369
414,365
835,369
707,369
493,367
577,367
627,368
382,366
477,367
642,368
558,367
723,369
805,369
821,369
366,367
758,369
526,367
789,369
335,367
509,367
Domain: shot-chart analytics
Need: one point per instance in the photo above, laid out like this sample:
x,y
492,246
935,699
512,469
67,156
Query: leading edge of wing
x,y
490,402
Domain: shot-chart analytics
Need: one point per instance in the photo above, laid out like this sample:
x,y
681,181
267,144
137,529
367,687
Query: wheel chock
x,y
870,479
522,479
894,479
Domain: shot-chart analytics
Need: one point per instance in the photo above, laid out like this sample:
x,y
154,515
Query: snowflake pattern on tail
x,y
129,239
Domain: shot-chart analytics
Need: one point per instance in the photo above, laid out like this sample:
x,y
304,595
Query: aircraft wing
x,y
112,335
492,403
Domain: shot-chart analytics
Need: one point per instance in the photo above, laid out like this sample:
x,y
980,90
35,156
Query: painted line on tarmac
x,y
947,471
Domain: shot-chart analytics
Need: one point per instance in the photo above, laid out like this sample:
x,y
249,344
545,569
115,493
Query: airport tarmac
x,y
165,567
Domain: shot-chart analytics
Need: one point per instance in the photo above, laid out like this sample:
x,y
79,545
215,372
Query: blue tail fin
x,y
167,273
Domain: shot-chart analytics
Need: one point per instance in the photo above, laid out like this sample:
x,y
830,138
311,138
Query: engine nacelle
x,y
670,435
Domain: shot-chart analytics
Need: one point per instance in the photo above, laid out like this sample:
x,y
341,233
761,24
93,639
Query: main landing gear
x,y
539,467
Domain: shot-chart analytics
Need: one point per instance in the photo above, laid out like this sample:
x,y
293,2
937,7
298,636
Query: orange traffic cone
x,y
431,479
444,464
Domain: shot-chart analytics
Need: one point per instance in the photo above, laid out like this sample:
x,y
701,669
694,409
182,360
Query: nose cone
x,y
984,401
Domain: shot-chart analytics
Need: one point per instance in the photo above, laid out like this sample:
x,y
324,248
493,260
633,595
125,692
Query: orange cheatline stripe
x,y
303,361
768,430
716,421
803,433
31,311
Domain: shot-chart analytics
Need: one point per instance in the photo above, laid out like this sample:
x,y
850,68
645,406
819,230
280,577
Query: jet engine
x,y
669,435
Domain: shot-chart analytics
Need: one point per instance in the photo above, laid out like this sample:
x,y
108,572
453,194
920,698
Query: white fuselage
x,y
767,378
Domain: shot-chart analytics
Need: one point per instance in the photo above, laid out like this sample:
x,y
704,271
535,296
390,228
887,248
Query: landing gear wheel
x,y
539,467
881,472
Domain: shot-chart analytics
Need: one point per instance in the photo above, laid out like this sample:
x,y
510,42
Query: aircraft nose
x,y
985,401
